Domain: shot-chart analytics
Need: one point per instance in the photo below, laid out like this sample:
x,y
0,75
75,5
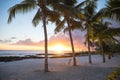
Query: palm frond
x,y
23,7
76,24
80,5
101,13
81,16
67,10
51,2
53,16
70,2
60,26
115,40
90,8
107,24
114,7
112,32
113,3
72,27
37,18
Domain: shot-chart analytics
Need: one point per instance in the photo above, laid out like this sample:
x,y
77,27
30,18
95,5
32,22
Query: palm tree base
x,y
74,64
104,60
90,62
47,71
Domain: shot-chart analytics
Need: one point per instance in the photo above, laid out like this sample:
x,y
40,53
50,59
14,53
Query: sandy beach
x,y
33,69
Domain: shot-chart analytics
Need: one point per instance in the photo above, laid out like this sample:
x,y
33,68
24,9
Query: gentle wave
x,y
19,52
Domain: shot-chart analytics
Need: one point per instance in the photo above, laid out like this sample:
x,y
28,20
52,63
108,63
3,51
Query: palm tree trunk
x,y
103,54
89,53
112,55
109,55
46,43
72,45
42,4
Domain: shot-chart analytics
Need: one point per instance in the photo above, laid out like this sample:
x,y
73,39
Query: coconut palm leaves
x,y
37,18
114,9
52,16
23,7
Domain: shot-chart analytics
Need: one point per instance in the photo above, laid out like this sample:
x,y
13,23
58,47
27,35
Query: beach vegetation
x,y
114,75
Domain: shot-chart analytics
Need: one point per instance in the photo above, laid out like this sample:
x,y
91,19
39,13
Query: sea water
x,y
19,52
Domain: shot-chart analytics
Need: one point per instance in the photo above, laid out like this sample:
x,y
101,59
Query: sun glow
x,y
59,48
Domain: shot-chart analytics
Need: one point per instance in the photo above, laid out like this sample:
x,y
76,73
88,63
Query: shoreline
x,y
37,56
41,56
16,58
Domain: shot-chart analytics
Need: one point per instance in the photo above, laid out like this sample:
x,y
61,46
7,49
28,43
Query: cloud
x,y
60,38
5,41
29,42
9,40
13,38
1,40
24,42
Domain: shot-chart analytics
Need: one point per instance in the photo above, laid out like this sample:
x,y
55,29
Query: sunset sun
x,y
59,48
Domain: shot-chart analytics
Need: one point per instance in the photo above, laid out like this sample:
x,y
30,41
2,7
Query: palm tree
x,y
69,12
98,30
89,10
44,14
91,38
105,35
67,19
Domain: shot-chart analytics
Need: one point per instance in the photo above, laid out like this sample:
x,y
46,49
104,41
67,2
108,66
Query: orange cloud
x,y
19,47
55,40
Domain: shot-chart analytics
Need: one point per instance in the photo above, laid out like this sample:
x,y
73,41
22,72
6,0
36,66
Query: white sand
x,y
33,69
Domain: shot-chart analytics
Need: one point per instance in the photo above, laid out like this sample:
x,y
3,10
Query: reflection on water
x,y
19,52
28,53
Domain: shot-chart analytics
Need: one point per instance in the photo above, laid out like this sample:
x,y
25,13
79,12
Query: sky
x,y
20,34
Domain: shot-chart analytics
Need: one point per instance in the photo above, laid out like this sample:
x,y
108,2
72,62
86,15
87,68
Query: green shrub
x,y
114,74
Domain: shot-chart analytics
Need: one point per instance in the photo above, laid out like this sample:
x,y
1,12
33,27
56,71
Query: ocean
x,y
19,52
22,53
